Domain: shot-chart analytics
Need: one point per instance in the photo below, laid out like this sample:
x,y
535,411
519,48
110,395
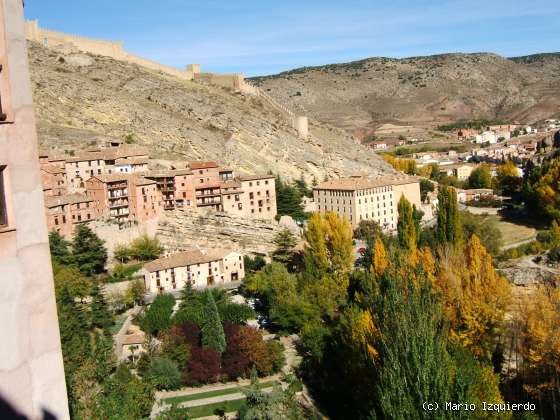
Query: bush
x,y
203,367
174,346
276,352
235,313
164,374
554,255
253,265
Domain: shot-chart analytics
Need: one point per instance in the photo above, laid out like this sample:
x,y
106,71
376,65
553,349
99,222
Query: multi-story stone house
x,y
206,178
104,161
32,378
362,198
175,187
53,179
199,268
123,198
250,197
64,212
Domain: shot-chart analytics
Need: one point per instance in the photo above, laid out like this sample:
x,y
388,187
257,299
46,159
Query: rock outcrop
x,y
525,272
187,229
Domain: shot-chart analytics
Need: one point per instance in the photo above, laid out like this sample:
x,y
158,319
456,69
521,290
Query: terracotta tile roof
x,y
361,183
112,177
140,180
232,183
166,173
131,161
254,177
60,200
52,169
186,258
136,338
110,153
202,165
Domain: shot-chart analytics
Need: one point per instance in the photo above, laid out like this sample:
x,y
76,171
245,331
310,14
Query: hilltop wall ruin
x,y
115,49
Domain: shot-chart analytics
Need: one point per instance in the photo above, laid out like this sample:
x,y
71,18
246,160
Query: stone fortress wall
x,y
115,49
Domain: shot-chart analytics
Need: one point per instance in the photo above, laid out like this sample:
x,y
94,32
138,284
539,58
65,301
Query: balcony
x,y
210,201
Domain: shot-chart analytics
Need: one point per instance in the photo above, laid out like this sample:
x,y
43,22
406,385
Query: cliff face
x,y
180,229
81,99
422,91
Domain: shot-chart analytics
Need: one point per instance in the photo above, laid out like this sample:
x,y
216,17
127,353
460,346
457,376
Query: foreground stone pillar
x,y
31,368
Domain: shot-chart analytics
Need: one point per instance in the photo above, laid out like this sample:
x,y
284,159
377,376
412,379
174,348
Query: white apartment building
x,y
362,198
199,268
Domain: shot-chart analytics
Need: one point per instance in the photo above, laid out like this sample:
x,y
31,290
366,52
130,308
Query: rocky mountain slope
x,y
82,100
423,91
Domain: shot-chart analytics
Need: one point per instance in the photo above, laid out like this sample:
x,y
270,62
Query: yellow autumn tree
x,y
475,296
540,347
379,258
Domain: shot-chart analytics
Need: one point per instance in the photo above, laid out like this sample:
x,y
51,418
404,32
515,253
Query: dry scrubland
x,y
81,99
421,92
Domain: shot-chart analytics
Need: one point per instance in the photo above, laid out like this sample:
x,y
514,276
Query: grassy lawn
x,y
117,325
208,410
216,393
513,233
125,273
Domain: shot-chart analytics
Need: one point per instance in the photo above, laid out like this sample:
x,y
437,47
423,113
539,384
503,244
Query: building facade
x,y
31,367
199,268
66,211
362,198
123,198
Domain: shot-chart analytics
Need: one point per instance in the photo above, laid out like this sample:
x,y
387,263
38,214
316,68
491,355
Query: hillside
x,y
423,91
82,99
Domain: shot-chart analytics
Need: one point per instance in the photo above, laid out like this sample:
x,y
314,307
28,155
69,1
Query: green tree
x,y
412,344
212,330
134,293
481,177
88,252
158,315
285,242
71,278
302,187
288,201
125,397
164,374
103,356
74,332
145,248
122,253
406,226
99,312
426,186
449,228
59,247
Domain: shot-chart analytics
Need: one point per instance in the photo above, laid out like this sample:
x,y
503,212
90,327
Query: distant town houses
x,y
198,268
119,186
360,198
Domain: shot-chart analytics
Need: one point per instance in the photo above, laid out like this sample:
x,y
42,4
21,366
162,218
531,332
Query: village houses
x,y
198,268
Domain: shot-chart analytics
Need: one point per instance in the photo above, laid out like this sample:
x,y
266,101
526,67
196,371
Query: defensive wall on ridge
x,y
115,49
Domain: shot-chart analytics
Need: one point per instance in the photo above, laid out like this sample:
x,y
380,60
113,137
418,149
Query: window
x,y
3,204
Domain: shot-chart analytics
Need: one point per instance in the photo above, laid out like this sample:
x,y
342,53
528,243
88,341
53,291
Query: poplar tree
x,y
449,229
212,331
315,256
406,225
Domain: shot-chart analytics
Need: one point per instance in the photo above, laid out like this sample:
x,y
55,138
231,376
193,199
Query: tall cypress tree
x,y
212,331
59,247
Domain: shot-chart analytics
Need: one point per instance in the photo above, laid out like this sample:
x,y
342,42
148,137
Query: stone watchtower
x,y
31,367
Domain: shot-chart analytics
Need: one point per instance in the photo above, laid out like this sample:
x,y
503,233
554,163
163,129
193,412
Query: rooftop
x,y
61,200
254,177
362,183
52,169
202,165
186,258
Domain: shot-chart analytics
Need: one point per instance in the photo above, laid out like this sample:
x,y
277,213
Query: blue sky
x,y
259,37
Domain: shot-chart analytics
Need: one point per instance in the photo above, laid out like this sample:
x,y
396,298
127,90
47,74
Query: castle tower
x,y
31,367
